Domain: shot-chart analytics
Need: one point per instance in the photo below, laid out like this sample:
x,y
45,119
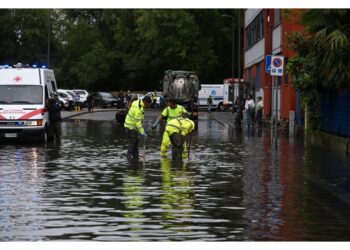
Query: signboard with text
x,y
277,64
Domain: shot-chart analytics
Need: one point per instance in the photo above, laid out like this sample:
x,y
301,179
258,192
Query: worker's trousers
x,y
177,141
132,144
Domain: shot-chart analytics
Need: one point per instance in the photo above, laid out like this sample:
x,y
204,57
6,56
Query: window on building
x,y
255,30
277,17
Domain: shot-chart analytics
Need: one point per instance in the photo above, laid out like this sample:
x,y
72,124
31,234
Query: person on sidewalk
x,y
249,107
55,119
171,112
175,134
90,103
133,126
259,112
210,103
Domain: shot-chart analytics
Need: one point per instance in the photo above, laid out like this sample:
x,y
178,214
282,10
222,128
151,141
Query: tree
x,y
322,62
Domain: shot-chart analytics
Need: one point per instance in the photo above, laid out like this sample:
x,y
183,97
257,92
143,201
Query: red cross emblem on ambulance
x,y
17,79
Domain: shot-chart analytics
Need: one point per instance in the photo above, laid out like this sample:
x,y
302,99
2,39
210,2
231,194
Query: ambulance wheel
x,y
46,136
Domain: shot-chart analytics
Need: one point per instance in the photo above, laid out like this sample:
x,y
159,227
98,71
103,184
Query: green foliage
x,y
111,49
322,62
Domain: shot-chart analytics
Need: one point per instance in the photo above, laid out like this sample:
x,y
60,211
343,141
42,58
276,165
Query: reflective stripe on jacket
x,y
182,126
177,112
135,116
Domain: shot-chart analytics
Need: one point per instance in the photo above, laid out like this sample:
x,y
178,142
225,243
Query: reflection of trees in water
x,y
177,195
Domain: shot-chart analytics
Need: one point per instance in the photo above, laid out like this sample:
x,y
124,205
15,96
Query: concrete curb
x,y
334,141
74,114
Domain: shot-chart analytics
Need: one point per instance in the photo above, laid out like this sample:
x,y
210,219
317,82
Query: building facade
x,y
265,33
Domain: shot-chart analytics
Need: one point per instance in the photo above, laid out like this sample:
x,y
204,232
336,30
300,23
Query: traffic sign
x,y
277,63
268,64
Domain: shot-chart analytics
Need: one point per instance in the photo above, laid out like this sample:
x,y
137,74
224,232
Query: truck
x,y
183,87
219,93
24,93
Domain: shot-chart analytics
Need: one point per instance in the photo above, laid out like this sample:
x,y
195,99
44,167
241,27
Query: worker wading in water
x,y
133,126
175,134
171,112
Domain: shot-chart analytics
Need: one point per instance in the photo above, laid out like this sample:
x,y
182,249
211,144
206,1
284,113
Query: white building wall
x,y
255,54
277,40
250,14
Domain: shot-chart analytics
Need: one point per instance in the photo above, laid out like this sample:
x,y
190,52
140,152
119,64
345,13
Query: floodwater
x,y
235,187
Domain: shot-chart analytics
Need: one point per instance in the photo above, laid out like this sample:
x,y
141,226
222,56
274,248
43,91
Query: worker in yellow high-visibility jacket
x,y
175,134
133,126
173,111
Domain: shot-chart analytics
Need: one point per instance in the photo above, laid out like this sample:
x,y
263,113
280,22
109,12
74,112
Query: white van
x,y
24,93
219,94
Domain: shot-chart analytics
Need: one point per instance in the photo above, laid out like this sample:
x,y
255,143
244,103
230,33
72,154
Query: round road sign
x,y
277,62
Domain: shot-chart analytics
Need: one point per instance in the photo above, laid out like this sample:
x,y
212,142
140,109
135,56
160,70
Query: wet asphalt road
x,y
235,187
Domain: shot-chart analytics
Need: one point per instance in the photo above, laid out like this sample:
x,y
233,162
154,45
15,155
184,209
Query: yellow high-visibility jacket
x,y
135,116
177,112
182,125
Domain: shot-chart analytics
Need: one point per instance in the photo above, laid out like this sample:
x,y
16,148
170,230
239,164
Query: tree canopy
x,y
322,62
115,49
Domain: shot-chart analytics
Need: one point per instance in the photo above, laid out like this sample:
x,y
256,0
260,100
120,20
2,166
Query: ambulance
x,y
219,93
24,93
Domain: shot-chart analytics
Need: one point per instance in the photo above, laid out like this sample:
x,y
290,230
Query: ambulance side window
x,y
53,85
46,95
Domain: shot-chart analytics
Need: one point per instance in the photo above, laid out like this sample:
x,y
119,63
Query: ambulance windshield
x,y
21,94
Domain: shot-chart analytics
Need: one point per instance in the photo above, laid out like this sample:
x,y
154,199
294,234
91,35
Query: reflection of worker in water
x,y
175,134
134,198
177,190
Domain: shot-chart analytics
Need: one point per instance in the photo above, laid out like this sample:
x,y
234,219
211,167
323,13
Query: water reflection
x,y
177,196
133,190
234,188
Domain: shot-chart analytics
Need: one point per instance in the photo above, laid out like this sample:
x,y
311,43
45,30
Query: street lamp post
x,y
233,45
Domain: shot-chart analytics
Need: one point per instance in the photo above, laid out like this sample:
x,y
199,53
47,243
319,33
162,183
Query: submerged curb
x,y
67,115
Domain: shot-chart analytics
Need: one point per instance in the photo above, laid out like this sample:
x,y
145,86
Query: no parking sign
x,y
277,63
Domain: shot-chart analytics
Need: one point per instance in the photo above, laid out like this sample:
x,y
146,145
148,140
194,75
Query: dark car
x,y
105,99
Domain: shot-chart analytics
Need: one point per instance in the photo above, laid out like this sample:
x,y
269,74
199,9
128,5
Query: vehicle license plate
x,y
10,135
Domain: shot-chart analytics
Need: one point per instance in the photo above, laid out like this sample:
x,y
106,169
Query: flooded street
x,y
234,187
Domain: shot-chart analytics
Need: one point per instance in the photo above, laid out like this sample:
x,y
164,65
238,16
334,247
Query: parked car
x,y
65,95
63,102
105,99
